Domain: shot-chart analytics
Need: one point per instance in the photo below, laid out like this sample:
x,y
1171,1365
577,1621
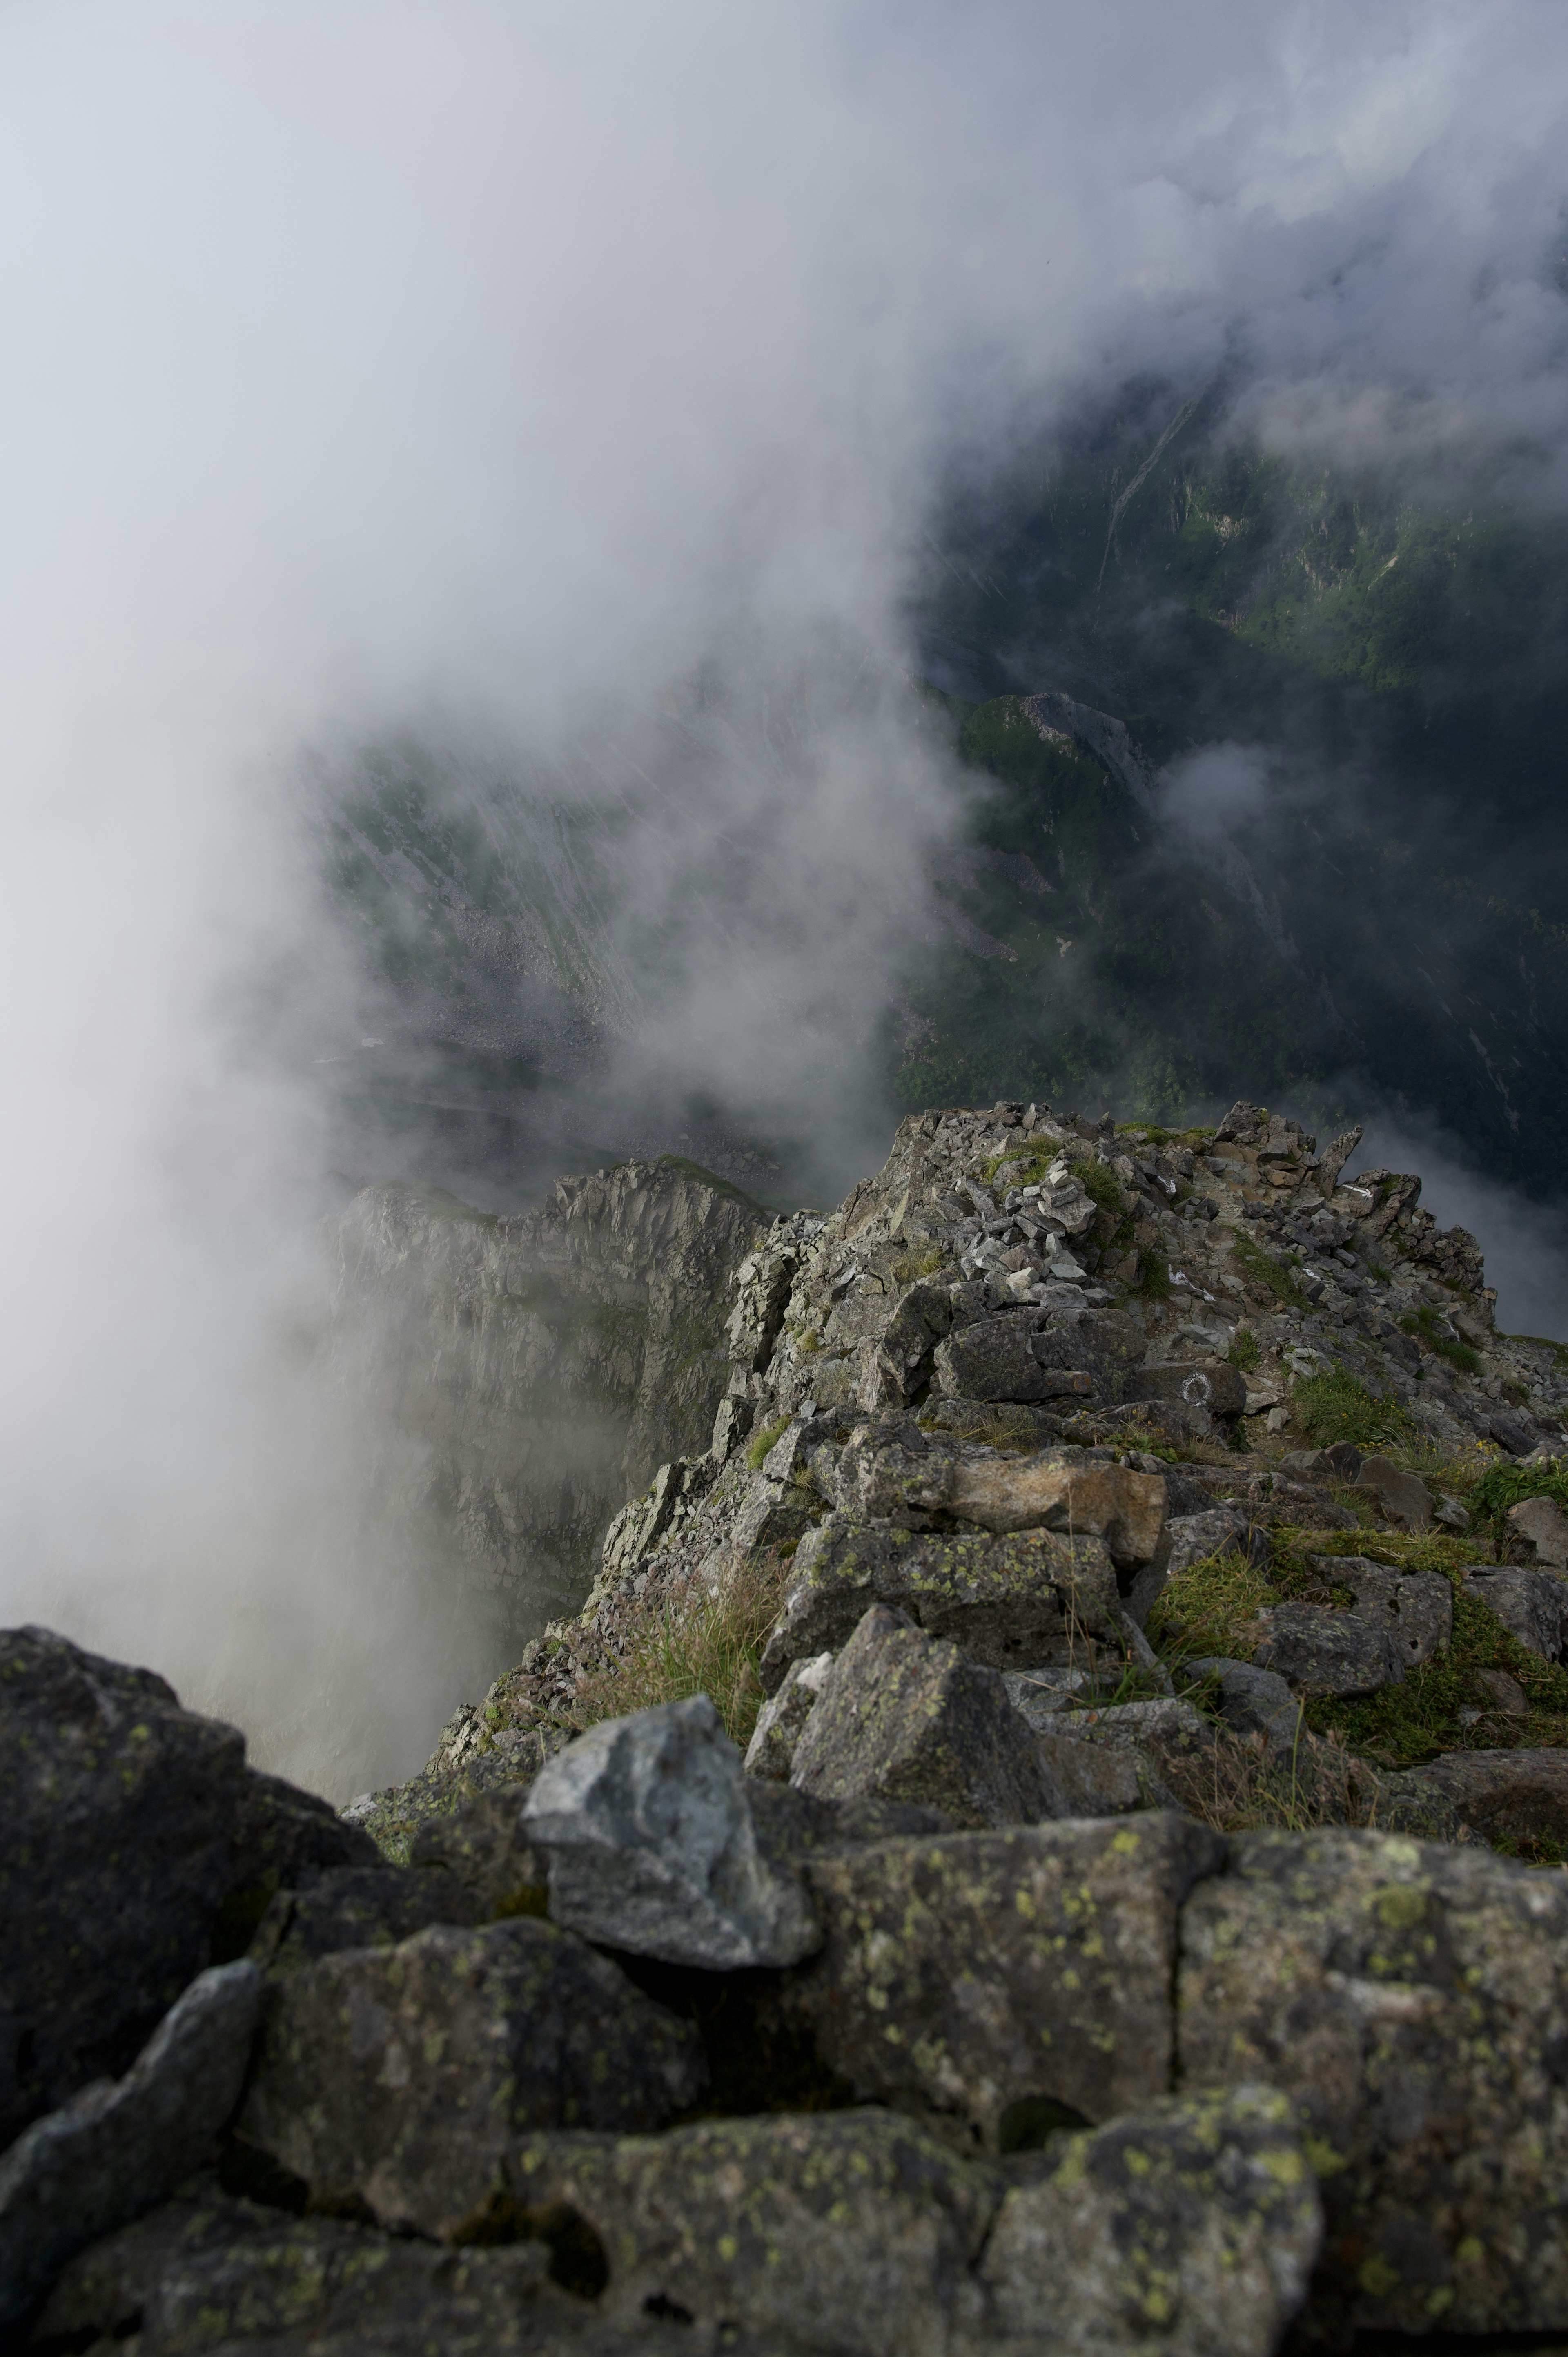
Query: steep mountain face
x,y
1378,880
522,1375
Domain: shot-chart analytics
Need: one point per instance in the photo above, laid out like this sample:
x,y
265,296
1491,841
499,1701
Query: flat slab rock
x,y
903,1717
1320,1651
1008,1602
1423,2044
1519,1796
974,1979
893,1476
397,2078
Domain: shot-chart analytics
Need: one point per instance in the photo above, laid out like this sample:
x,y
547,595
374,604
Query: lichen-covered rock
x,y
1096,1780
647,1827
1010,1357
1532,1605
401,2076
782,1719
1411,2000
904,1716
1034,1598
355,1907
482,1855
1399,1497
120,2146
206,2272
1517,1797
1191,2227
1248,1699
838,2234
1321,1650
137,1846
1544,1527
977,1979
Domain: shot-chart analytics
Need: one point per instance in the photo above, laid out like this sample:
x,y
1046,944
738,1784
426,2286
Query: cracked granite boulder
x,y
994,1983
903,1717
399,2077
836,2234
647,1824
1191,2227
1031,1598
1412,2001
139,1849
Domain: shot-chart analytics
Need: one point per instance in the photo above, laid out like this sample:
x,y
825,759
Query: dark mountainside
x,y
1044,1836
1371,909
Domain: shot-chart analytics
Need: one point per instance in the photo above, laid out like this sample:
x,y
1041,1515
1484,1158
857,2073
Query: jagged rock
x,y
120,2146
1505,1796
1397,1497
846,2233
1198,2220
883,1477
1034,1598
138,1844
979,1979
1418,1606
543,1366
1544,1527
1249,1697
1516,1436
1323,1651
1422,2045
1532,1605
1342,1462
479,1852
649,1833
401,2076
994,1359
780,1722
904,1716
1210,1384
1334,1155
208,2271
994,1423
356,1907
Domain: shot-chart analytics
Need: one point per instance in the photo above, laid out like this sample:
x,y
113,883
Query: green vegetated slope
x,y
1396,665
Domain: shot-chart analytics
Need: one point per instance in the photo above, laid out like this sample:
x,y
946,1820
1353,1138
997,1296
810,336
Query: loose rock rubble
x,y
966,2013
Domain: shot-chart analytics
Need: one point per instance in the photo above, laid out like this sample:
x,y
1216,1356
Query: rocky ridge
x,y
1049,1974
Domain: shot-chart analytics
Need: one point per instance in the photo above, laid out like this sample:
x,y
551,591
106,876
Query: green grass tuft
x,y
761,1442
1428,1326
1508,1485
1265,1271
1153,1278
1245,1350
672,1648
1332,1405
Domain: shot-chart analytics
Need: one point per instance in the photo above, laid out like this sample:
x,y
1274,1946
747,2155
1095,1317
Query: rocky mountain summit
x,y
1047,1833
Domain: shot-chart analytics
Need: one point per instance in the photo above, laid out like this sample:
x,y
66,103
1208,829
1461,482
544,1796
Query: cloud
x,y
516,363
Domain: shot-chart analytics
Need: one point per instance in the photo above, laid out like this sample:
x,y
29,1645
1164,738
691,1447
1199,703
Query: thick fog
x,y
502,372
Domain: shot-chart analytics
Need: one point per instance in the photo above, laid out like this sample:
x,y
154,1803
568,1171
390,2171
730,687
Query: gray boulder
x,y
1416,1606
1319,1651
1544,1526
355,1907
139,1849
1399,1497
1096,1780
649,1833
1199,2216
1532,1605
1248,1698
1519,1797
1342,1462
990,1982
1033,1597
1422,2048
994,1423
120,2146
399,2077
847,2234
904,1716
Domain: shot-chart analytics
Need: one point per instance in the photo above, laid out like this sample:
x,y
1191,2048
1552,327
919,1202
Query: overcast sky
x,y
358,357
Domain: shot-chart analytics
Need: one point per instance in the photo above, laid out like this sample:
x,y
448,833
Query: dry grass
x,y
1232,1784
691,1643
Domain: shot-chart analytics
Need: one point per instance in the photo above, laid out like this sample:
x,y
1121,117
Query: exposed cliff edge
x,y
527,1373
